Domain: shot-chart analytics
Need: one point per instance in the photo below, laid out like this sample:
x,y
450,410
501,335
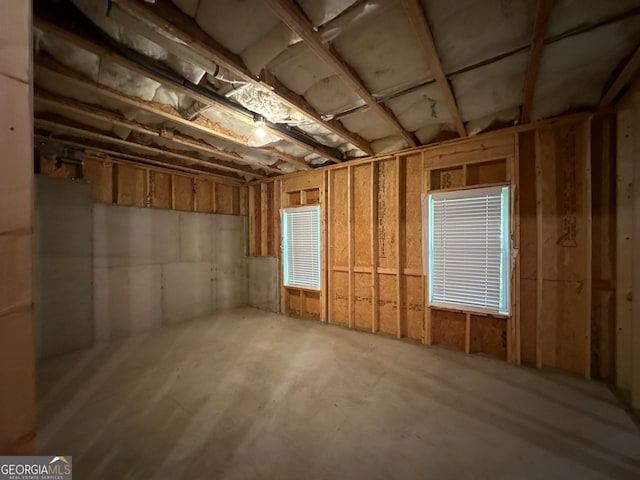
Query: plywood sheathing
x,y
383,288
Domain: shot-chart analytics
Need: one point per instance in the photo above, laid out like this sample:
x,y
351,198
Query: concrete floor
x,y
257,395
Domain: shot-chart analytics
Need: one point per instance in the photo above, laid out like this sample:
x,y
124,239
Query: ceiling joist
x,y
63,125
168,17
73,106
97,148
420,24
543,14
105,52
291,14
200,124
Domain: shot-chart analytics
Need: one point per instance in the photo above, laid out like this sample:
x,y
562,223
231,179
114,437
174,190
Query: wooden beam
x,y
47,65
293,16
167,112
543,13
97,113
168,17
58,125
90,146
418,19
621,80
176,85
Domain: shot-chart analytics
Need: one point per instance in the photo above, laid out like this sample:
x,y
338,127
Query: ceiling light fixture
x,y
259,121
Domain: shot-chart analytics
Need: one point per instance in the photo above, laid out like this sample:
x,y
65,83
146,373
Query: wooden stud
x,y
624,248
114,184
467,334
515,215
543,14
400,225
283,290
323,248
264,219
214,208
330,268
375,321
350,240
426,182
539,251
587,211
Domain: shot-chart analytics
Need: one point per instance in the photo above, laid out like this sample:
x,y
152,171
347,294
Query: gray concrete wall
x,y
156,267
264,283
64,266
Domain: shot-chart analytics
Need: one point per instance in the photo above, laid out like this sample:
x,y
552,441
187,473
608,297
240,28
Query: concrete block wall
x,y
64,265
156,267
264,283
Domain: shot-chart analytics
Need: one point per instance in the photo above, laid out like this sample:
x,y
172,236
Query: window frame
x,y
504,308
285,247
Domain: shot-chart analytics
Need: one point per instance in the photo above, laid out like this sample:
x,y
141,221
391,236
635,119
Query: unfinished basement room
x,y
319,239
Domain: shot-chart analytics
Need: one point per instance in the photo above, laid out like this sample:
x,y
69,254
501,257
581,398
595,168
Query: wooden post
x,y
253,227
283,290
375,321
114,183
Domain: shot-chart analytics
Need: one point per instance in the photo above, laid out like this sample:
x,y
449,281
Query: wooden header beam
x,y
543,14
291,14
164,14
58,125
417,17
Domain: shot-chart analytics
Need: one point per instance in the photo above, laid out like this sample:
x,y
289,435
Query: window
x,y
301,244
468,249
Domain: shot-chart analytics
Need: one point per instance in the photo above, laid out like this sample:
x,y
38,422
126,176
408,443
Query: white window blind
x,y
301,245
468,246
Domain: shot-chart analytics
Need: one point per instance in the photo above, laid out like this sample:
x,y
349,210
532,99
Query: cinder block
x,y
127,300
186,291
264,282
195,237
